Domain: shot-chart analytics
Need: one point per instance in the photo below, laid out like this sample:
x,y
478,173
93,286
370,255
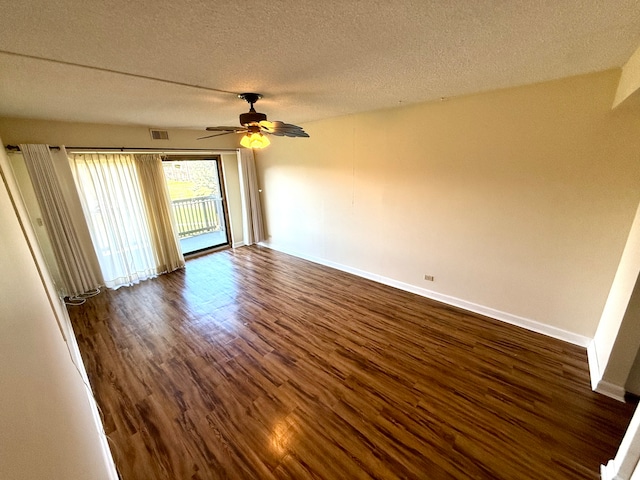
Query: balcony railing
x,y
198,215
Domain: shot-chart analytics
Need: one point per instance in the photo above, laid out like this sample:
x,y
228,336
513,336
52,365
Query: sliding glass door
x,y
198,201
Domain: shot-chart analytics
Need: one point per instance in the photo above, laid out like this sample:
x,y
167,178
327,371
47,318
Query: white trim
x,y
526,323
624,466
608,471
594,365
237,244
610,390
76,358
597,384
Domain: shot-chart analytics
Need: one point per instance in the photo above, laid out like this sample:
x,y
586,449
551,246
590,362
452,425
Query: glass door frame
x,y
217,159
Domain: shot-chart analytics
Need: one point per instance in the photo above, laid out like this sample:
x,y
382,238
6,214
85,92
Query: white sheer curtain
x,y
253,226
112,201
75,257
161,222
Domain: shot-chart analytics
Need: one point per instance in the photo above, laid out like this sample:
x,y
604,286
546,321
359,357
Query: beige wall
x,y
16,130
20,130
629,80
28,194
234,201
518,200
617,339
622,369
48,429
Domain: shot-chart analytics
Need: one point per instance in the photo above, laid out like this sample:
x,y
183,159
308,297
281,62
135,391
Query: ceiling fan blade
x,y
287,126
290,133
225,129
286,133
266,126
215,135
281,129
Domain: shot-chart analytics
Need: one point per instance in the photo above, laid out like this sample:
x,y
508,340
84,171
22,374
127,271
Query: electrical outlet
x,y
431,278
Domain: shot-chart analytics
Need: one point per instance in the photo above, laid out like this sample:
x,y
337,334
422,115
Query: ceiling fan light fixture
x,y
254,140
255,125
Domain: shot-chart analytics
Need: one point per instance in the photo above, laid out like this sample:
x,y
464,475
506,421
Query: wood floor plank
x,y
252,364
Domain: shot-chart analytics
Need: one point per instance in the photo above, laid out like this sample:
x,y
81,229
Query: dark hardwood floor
x,y
251,364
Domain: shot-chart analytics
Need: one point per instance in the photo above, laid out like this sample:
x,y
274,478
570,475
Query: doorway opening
x,y
198,201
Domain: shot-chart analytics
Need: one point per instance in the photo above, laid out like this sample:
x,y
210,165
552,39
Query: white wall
x,y
47,426
518,201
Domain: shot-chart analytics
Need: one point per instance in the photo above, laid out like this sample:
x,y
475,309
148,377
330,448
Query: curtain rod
x,y
16,148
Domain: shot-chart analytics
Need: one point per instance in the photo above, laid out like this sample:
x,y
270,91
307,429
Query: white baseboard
x,y
594,365
597,383
237,244
526,323
76,360
608,471
610,390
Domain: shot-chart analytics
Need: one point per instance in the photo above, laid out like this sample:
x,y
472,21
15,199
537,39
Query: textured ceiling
x,y
311,59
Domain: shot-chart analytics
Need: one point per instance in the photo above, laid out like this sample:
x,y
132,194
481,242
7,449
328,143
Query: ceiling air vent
x,y
159,134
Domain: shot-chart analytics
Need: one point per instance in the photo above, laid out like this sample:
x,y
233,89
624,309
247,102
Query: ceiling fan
x,y
255,125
